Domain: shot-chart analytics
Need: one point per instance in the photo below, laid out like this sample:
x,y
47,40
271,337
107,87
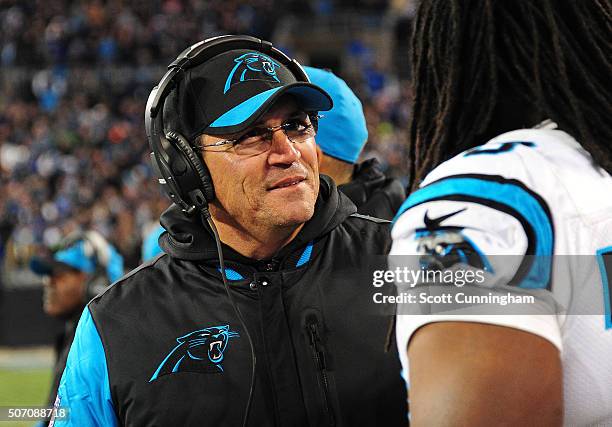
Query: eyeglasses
x,y
259,139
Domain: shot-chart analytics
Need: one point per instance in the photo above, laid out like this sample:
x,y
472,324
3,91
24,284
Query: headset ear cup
x,y
203,175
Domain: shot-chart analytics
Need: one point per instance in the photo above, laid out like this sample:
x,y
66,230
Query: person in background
x,y
341,137
83,266
150,245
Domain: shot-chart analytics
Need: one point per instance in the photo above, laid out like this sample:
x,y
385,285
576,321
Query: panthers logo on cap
x,y
252,66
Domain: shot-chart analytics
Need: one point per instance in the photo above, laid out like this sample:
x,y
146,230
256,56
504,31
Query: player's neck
x,y
341,172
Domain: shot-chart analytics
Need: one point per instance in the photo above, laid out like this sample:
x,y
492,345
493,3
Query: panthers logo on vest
x,y
252,66
204,346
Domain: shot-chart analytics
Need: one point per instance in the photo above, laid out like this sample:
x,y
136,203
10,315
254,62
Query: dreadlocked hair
x,y
553,57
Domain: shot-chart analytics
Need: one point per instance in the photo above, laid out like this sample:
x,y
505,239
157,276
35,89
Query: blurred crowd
x,y
137,32
75,78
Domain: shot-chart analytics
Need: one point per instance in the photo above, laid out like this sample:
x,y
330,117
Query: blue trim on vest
x,y
305,257
606,284
506,193
84,387
231,274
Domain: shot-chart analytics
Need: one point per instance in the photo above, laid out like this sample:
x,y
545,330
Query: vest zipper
x,y
318,354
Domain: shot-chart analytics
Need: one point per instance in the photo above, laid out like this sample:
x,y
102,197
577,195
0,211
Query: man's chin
x,y
293,221
292,214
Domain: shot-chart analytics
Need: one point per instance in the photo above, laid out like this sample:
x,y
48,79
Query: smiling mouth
x,y
287,184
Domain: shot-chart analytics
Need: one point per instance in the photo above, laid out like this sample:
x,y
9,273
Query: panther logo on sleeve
x,y
441,247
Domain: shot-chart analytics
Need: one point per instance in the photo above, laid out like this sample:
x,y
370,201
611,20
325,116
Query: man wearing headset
x,y
259,313
341,137
83,265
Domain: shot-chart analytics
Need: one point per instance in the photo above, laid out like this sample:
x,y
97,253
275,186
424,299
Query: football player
x,y
511,156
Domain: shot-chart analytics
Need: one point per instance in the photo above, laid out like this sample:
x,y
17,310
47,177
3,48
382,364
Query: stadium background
x,y
74,78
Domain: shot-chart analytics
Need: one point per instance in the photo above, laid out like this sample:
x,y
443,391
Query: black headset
x,y
180,170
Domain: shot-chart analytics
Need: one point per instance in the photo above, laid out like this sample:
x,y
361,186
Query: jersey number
x,y
504,147
604,259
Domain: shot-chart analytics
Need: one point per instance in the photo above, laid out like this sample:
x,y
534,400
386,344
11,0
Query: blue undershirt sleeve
x,y
84,389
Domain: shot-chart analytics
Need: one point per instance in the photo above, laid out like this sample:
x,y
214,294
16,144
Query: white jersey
x,y
531,192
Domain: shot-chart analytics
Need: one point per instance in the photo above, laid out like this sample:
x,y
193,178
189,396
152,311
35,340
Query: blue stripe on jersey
x,y
503,192
84,388
606,275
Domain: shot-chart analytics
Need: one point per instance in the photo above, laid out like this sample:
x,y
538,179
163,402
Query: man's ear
x,y
319,155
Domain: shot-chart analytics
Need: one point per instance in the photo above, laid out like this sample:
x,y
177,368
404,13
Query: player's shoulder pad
x,y
488,197
538,158
500,156
484,197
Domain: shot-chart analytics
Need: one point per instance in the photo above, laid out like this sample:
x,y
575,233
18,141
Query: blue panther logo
x,y
443,246
203,344
251,66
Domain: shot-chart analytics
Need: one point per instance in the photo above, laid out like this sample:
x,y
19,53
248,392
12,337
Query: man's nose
x,y
282,150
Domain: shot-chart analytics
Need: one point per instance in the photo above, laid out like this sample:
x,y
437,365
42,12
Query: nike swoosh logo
x,y
433,223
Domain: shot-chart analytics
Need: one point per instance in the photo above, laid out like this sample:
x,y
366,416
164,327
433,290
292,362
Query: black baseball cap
x,y
231,91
